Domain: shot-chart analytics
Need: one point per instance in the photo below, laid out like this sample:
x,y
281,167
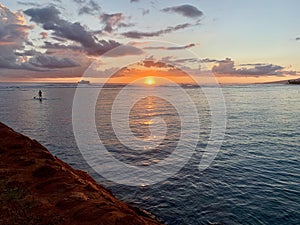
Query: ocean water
x,y
253,180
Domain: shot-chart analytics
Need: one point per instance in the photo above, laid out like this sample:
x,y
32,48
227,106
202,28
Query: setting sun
x,y
149,81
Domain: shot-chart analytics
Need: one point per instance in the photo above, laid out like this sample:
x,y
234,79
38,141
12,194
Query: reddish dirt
x,y
38,188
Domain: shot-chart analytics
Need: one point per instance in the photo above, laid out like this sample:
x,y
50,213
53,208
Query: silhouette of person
x,y
40,94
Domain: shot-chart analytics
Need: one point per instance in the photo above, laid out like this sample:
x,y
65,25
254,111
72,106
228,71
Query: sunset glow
x,y
149,81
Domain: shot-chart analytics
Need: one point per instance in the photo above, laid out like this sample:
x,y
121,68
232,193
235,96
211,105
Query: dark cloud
x,y
185,10
9,62
297,38
86,10
182,47
113,21
52,62
158,64
171,48
248,64
193,60
134,1
227,67
139,34
145,11
80,1
182,61
90,8
49,18
121,50
28,3
38,62
58,46
207,60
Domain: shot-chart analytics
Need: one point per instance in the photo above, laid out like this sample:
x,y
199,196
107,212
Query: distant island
x,y
297,81
84,82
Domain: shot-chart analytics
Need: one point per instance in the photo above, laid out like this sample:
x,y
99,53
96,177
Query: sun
x,y
149,81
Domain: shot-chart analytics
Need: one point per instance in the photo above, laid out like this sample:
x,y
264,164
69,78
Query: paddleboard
x,y
39,99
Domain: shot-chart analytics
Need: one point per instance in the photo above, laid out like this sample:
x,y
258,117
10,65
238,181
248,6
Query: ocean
x,y
254,178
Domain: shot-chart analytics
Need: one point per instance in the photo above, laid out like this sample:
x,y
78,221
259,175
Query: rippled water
x,y
253,180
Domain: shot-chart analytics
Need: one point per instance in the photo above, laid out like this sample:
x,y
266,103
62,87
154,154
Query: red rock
x,y
37,188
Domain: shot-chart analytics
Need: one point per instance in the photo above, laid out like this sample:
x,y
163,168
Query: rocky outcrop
x,y
38,188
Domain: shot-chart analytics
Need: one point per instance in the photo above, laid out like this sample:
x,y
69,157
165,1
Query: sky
x,y
67,40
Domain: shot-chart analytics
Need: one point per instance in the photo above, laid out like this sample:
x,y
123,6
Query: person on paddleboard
x,y
40,94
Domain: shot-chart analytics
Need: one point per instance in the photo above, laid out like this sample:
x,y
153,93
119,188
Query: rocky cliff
x,y
38,188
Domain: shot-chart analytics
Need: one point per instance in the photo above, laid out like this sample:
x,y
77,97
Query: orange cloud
x,y
158,70
7,43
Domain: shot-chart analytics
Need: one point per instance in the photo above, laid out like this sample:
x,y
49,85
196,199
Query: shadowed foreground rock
x,y
38,188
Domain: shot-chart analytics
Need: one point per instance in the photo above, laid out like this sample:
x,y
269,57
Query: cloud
x,y
80,1
57,46
185,10
134,1
13,37
13,52
91,8
170,59
86,10
26,53
124,50
247,64
9,62
121,50
28,3
44,35
145,11
49,18
138,43
52,62
297,38
13,28
154,66
150,62
171,48
113,21
139,34
41,63
227,67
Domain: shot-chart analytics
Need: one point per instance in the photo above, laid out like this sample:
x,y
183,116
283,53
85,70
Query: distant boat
x,y
83,82
294,81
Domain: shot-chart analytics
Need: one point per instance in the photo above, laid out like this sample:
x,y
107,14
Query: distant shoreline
x,y
121,85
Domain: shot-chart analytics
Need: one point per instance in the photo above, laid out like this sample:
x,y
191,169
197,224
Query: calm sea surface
x,y
255,178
